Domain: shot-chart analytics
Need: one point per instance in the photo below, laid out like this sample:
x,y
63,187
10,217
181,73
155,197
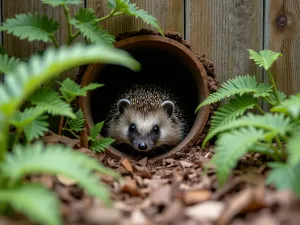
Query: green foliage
x,y
42,208
95,130
70,90
51,102
31,26
100,144
8,64
275,134
124,6
77,123
61,2
264,58
86,22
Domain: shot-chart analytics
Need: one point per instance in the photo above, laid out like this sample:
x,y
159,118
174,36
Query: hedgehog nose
x,y
142,146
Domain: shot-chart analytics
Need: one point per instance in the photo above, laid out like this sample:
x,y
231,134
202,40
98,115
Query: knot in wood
x,y
281,21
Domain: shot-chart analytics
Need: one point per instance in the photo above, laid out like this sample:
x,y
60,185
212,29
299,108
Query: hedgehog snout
x,y
143,144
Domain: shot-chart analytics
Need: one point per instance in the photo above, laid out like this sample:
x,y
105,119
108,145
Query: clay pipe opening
x,y
165,62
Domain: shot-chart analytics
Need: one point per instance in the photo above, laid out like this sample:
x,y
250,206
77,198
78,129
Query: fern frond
x,y
293,146
70,90
101,144
285,176
8,64
29,76
230,147
51,102
85,22
238,86
290,105
265,58
95,130
229,112
131,9
273,100
31,26
273,124
35,201
37,128
61,2
54,160
77,124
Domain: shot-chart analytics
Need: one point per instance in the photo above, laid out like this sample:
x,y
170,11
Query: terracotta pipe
x,y
185,56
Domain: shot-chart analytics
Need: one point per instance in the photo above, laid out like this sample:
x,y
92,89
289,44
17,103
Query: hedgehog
x,y
147,117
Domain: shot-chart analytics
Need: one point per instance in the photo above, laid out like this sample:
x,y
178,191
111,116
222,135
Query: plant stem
x,y
260,109
68,17
75,135
280,146
112,13
3,140
274,86
268,100
18,134
54,41
61,125
74,36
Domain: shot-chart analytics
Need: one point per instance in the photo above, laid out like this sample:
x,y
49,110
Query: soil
x,y
173,191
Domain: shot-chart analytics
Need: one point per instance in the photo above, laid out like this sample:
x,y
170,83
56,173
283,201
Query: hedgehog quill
x,y
147,117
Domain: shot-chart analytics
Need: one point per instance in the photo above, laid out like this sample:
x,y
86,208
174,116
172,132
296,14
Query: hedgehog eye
x,y
132,128
155,129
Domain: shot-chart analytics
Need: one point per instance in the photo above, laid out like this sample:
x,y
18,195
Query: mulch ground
x,y
175,190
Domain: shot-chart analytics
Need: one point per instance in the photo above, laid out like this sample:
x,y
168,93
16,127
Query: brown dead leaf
x,y
130,186
185,164
127,165
161,195
65,180
172,213
249,199
138,218
143,161
206,211
87,152
100,215
194,197
142,171
58,139
46,180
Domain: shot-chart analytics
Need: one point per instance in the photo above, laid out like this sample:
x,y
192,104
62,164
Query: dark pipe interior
x,y
160,65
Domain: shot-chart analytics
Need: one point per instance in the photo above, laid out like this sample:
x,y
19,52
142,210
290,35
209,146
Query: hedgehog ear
x,y
168,106
122,105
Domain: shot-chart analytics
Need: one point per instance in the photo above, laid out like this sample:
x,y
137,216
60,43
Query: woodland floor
x,y
173,191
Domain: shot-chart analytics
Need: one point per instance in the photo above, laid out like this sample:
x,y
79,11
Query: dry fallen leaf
x,y
127,165
194,197
185,164
130,186
161,195
172,213
58,139
138,218
210,210
101,215
65,180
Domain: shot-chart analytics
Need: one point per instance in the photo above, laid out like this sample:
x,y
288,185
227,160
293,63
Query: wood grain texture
x,y
285,39
23,48
169,13
223,31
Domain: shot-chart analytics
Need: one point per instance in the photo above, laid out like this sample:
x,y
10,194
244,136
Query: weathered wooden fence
x,y
221,29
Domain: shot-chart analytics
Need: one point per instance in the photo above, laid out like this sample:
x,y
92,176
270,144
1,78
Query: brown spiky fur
x,y
145,110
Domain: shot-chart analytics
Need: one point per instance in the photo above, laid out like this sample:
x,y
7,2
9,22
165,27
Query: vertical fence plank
x,y
169,13
224,30
283,35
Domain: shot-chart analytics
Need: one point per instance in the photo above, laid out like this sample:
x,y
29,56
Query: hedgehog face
x,y
145,130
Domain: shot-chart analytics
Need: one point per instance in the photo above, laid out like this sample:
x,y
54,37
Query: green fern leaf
x,y
131,9
95,130
264,58
85,22
230,147
54,160
35,201
238,86
70,90
29,76
61,2
273,99
293,146
290,105
101,144
37,128
8,64
77,124
273,124
285,176
229,112
51,102
34,27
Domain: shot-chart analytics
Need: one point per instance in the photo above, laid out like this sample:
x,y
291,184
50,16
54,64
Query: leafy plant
x,y
275,134
23,83
38,27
